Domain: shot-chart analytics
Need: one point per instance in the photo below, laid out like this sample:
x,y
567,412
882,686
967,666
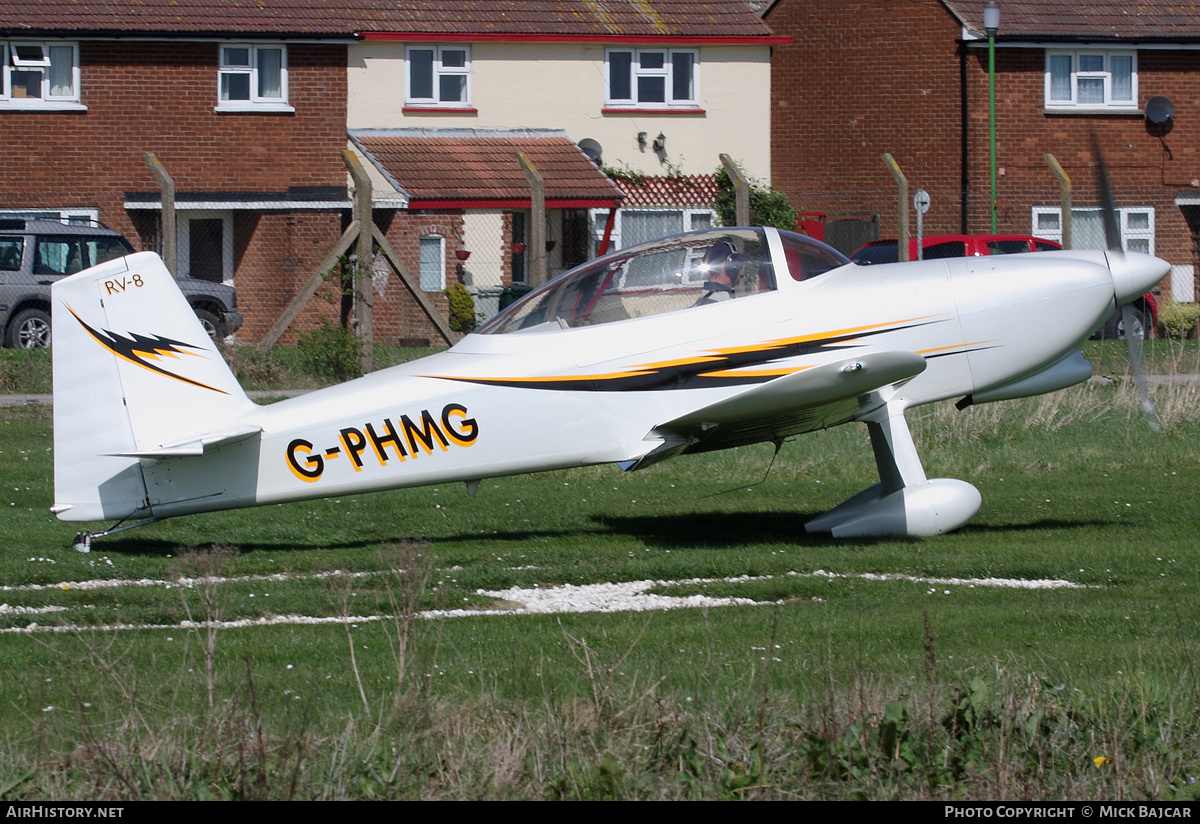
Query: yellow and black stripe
x,y
714,367
141,350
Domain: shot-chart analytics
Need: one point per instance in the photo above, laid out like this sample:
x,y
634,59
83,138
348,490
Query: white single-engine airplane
x,y
701,341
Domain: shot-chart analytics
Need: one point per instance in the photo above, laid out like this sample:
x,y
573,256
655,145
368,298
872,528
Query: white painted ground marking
x,y
1010,583
631,596
110,583
5,609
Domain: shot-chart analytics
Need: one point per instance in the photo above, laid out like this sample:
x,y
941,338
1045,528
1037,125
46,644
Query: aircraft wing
x,y
814,398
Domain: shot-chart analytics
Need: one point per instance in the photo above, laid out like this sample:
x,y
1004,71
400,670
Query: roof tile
x,y
464,164
1103,19
681,18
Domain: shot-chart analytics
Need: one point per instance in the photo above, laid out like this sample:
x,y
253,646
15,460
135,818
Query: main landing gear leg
x,y
904,502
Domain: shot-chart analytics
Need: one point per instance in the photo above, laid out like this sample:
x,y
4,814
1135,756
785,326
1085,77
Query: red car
x,y
948,246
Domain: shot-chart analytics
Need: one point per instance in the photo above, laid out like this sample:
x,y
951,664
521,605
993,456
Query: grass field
x,y
864,669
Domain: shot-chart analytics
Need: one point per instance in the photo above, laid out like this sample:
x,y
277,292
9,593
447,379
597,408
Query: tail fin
x,y
135,377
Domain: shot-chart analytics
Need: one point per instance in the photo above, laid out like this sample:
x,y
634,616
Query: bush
x,y
767,207
253,370
1178,320
330,351
462,308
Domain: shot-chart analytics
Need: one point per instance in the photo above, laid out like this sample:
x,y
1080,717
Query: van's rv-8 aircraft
x,y
701,341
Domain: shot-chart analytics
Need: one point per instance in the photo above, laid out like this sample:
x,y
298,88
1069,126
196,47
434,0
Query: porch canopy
x,y
478,168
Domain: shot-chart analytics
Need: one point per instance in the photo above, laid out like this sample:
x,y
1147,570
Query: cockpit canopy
x,y
686,271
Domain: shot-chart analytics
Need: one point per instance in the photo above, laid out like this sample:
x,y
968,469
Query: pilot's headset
x,y
722,258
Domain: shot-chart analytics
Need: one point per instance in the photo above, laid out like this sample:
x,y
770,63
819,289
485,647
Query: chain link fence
x,y
494,259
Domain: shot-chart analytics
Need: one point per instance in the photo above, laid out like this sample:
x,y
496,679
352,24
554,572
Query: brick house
x,y
244,106
249,106
873,76
653,90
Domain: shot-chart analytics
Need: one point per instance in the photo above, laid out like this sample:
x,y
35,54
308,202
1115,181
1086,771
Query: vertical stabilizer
x,y
134,373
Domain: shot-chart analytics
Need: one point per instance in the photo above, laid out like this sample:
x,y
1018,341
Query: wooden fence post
x,y
166,185
537,219
364,289
901,205
1064,195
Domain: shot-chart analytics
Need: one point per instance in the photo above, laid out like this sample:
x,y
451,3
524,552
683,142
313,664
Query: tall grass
x,y
992,732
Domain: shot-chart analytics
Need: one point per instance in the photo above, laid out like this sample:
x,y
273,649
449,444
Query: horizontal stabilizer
x,y
196,446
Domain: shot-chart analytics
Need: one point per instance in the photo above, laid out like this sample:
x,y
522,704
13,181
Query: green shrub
x,y
252,369
767,207
1178,320
330,351
462,308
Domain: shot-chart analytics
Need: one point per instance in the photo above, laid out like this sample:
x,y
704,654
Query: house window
x,y
1091,80
39,75
634,226
438,76
253,78
433,264
1087,227
651,78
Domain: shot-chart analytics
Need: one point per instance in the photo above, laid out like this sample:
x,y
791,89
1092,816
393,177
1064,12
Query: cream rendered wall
x,y
483,234
561,86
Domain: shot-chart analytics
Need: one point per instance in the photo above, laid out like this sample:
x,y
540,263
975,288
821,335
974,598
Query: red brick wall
x,y
160,97
863,78
1025,133
397,315
275,254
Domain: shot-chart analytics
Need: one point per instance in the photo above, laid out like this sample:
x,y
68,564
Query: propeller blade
x,y
1108,208
1133,336
1137,367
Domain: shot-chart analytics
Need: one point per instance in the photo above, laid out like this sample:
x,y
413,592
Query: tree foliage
x,y
767,206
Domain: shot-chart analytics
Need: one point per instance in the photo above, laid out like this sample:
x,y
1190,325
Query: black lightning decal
x,y
714,367
141,350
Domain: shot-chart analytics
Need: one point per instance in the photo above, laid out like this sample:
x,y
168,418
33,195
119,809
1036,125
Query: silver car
x,y
36,253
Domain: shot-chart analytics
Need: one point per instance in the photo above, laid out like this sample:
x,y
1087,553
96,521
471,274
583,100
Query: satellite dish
x,y
592,149
1160,111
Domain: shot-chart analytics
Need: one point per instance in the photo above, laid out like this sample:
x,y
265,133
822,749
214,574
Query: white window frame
x,y
1105,75
1142,237
597,219
636,72
256,102
82,217
10,62
440,70
426,278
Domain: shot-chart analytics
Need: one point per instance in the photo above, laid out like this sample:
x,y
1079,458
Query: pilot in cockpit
x,y
722,268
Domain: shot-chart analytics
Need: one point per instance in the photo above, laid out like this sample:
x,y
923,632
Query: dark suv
x,y
36,253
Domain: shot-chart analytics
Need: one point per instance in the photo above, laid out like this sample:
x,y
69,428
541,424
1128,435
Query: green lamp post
x,y
991,23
